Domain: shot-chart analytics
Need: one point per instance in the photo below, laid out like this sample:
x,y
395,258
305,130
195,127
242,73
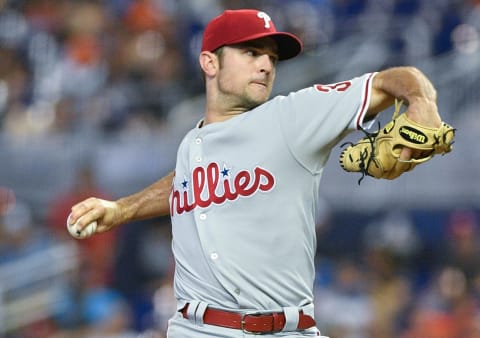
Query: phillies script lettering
x,y
213,185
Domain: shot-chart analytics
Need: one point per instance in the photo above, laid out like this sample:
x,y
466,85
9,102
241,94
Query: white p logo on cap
x,y
265,17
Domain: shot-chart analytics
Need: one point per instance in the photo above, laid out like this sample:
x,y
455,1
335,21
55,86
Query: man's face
x,y
247,72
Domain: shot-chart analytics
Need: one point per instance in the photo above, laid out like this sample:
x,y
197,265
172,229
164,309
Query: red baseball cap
x,y
236,26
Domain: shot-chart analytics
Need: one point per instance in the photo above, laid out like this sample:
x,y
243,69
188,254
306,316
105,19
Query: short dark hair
x,y
219,53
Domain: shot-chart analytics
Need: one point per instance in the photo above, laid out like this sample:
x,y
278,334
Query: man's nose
x,y
266,63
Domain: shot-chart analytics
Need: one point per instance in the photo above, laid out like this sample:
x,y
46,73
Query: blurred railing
x,y
29,287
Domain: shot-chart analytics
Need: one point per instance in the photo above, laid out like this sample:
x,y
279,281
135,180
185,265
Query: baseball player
x,y
243,195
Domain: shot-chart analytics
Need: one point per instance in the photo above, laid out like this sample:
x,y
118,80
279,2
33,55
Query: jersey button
x,y
214,255
198,140
198,158
203,217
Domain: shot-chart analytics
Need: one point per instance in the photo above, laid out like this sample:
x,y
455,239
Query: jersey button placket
x,y
213,254
197,142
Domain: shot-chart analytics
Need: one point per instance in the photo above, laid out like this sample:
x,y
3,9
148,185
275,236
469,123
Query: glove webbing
x,y
371,139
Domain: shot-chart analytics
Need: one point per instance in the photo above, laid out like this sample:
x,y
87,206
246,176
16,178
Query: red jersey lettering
x,y
338,87
211,185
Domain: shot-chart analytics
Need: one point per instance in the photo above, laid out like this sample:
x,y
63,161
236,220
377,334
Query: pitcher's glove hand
x,y
378,153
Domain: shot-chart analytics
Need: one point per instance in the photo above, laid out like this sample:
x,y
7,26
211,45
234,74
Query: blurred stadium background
x,y
94,99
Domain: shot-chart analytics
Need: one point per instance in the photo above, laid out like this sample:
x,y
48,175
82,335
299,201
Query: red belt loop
x,y
251,322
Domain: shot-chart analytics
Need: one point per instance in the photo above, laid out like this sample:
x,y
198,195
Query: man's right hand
x,y
106,213
153,201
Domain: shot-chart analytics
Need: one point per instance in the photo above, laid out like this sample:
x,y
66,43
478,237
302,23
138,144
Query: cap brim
x,y
288,44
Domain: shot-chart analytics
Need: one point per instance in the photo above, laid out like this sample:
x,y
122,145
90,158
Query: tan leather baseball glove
x,y
377,154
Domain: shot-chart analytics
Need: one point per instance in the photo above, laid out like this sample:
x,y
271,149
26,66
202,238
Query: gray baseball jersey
x,y
244,198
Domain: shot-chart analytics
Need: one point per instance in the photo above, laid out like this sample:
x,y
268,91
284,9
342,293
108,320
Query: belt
x,y
256,323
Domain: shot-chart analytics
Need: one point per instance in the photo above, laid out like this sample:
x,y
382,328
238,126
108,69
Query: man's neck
x,y
212,116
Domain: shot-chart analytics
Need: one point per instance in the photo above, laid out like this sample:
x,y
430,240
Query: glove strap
x,y
398,106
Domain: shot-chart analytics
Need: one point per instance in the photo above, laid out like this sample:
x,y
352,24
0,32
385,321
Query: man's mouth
x,y
261,83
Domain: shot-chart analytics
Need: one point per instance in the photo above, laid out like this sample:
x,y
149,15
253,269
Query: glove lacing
x,y
371,139
365,160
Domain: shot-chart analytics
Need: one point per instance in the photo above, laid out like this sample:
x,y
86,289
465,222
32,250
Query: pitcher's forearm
x,y
410,85
148,203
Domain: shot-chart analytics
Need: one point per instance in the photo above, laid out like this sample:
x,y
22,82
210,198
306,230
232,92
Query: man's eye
x,y
252,52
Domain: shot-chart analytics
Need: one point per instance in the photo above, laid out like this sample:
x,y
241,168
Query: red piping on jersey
x,y
363,110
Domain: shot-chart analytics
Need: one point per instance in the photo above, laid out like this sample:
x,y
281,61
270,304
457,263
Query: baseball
x,y
88,231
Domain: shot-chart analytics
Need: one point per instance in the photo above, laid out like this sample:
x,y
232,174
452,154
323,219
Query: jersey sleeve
x,y
314,119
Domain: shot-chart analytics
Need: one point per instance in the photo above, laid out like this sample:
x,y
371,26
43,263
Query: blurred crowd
x,y
399,274
120,67
117,65
386,274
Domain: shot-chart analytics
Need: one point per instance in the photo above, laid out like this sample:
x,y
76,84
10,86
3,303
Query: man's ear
x,y
209,63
